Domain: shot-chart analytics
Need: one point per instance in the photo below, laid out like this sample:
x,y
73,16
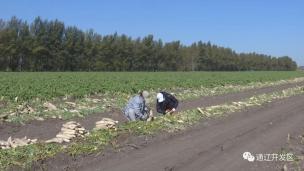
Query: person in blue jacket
x,y
136,108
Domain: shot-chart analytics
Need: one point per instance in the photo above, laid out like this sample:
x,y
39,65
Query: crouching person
x,y
166,103
136,108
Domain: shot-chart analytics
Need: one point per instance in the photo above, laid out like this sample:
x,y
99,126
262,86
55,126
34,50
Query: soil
x,y
216,144
48,128
211,145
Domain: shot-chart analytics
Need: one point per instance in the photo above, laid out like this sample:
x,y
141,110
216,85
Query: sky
x,y
272,27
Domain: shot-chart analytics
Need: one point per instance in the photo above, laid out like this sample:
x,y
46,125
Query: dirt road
x,y
213,145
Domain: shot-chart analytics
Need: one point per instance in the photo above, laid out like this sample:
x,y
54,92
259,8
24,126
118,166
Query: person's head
x,y
160,97
144,94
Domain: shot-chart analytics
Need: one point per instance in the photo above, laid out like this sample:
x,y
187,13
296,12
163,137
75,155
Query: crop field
x,y
41,106
23,94
26,86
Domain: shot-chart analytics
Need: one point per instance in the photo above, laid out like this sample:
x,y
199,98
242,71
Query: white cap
x,y
160,97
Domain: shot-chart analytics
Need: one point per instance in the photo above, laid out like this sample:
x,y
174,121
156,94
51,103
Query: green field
x,y
27,86
23,95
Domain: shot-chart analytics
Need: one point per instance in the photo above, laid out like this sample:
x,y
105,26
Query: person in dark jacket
x,y
166,103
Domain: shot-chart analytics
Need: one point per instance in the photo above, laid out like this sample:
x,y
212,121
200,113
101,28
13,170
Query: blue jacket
x,y
137,103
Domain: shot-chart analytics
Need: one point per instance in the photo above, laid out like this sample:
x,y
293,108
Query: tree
x,y
51,46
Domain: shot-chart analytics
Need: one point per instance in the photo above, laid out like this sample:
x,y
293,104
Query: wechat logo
x,y
248,156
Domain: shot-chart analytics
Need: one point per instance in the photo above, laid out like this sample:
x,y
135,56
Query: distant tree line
x,y
51,46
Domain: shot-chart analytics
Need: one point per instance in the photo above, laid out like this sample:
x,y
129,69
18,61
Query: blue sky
x,y
274,27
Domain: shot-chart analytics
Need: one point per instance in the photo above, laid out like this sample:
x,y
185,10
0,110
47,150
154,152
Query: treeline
x,y
51,46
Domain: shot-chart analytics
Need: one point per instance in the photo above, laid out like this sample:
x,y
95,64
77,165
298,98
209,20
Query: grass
x,y
24,156
97,140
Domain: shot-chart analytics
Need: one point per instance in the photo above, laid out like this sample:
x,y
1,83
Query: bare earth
x,y
211,145
215,144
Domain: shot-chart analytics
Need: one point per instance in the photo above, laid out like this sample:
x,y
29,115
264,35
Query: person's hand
x,y
170,111
151,113
151,117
